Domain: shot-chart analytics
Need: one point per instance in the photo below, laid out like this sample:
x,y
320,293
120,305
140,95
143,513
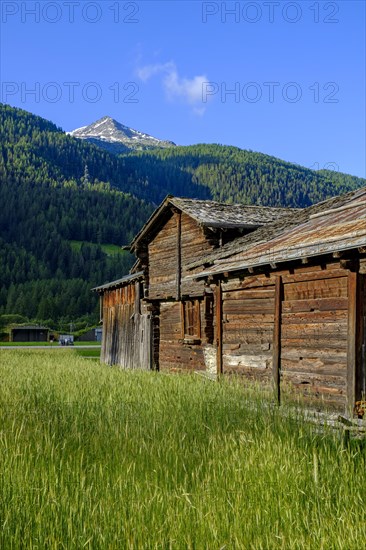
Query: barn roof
x,y
213,215
119,282
29,327
221,215
335,225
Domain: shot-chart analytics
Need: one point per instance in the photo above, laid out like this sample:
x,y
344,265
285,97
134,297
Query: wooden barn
x,y
29,333
291,303
273,295
158,294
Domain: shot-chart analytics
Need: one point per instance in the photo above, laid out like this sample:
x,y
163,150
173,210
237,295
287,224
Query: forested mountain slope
x,y
35,151
237,175
47,201
55,189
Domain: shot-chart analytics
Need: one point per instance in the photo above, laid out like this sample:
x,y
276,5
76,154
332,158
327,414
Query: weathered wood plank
x,y
328,329
179,253
297,274
315,342
321,304
316,366
361,337
352,340
255,306
335,287
304,276
247,294
328,354
219,327
314,383
276,345
336,317
255,281
247,319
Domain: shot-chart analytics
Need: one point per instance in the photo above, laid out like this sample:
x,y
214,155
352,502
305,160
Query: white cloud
x,y
146,72
188,90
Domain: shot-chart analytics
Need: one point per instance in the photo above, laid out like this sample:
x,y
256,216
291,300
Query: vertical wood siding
x,y
126,331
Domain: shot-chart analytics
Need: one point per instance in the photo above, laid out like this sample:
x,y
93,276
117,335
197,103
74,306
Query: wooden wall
x,y
314,333
175,353
301,329
313,325
126,329
196,243
247,327
361,379
304,327
180,241
162,261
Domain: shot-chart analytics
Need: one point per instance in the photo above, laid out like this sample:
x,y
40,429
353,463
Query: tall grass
x,y
99,458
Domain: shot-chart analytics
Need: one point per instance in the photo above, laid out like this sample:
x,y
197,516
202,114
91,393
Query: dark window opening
x,y
191,319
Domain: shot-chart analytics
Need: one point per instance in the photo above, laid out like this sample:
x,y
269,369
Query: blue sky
x,y
283,78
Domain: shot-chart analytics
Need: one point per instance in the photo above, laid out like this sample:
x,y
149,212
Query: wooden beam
x,y
137,297
218,295
101,299
179,252
352,340
361,339
151,342
276,353
155,335
198,318
182,320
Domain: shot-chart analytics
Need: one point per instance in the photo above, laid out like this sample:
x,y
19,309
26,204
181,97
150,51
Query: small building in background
x,y
91,335
29,333
66,340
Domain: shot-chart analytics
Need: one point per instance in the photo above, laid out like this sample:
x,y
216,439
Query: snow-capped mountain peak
x,y
116,137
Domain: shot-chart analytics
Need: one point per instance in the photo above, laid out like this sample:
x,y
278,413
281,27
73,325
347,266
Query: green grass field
x,y
109,249
99,458
88,353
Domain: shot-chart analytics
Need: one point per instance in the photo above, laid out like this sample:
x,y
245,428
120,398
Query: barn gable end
x,y
178,307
